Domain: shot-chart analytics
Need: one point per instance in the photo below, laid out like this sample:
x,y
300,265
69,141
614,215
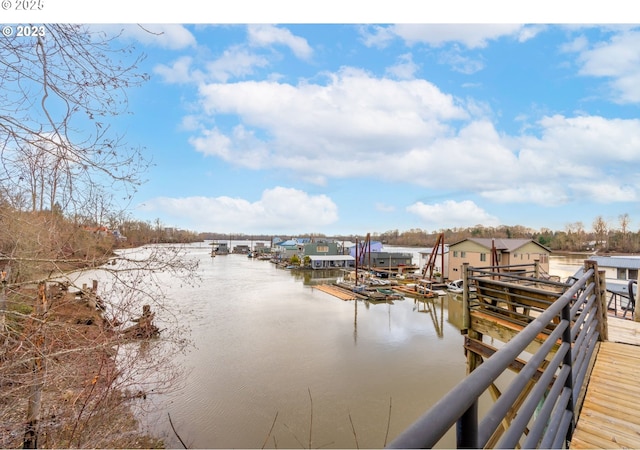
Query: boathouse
x,y
620,268
479,252
390,260
332,261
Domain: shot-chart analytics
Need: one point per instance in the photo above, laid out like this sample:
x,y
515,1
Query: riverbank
x,y
59,366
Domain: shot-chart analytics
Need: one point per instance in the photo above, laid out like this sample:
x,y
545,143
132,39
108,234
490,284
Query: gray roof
x,y
617,262
331,258
505,245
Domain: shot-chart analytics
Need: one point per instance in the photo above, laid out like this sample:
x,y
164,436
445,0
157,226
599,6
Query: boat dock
x,y
609,416
341,293
575,383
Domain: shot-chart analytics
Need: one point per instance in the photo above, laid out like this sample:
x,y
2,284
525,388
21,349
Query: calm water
x,y
268,343
273,351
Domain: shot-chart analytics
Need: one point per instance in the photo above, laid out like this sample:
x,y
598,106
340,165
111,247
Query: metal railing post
x,y
467,428
568,384
466,313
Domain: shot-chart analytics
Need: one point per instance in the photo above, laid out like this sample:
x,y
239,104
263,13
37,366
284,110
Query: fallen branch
x,y
176,433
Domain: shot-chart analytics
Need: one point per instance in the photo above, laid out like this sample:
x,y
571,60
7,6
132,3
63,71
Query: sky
x,y
310,124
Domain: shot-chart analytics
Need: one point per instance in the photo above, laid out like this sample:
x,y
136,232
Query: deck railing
x,y
546,416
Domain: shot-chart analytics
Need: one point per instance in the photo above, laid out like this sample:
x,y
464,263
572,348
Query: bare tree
x,y
59,90
624,221
68,370
575,235
601,230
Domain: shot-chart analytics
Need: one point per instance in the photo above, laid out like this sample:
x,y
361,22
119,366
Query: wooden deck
x,y
610,415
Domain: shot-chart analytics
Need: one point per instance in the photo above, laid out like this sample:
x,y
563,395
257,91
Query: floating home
x,y
220,248
241,249
482,252
390,261
332,261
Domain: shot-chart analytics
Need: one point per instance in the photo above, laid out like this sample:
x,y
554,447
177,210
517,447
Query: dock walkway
x,y
609,416
339,292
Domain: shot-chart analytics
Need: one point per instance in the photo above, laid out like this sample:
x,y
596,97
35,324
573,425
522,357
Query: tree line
x,y
601,237
67,373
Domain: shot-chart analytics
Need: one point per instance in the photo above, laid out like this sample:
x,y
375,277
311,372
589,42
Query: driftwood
x,y
144,327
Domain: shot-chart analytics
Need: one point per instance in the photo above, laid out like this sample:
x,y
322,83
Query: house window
x,y
633,274
622,274
322,249
455,253
483,256
463,254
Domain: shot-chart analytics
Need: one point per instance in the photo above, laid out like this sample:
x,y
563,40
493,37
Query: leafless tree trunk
x,y
38,369
625,220
600,228
61,162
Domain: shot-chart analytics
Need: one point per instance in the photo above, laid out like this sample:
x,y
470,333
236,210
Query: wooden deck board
x,y
342,294
609,417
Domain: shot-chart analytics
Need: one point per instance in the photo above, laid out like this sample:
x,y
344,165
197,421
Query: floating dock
x,y
341,293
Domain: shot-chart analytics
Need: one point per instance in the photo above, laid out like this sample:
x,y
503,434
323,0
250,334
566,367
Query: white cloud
x,y
376,35
241,146
587,139
461,63
469,35
278,210
452,214
404,69
179,72
546,193
607,191
410,131
617,60
171,36
268,35
353,119
436,35
235,62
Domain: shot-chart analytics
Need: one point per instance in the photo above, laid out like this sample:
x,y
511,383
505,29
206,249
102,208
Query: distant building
x,y
221,248
331,261
241,249
424,259
320,248
374,247
477,252
620,268
284,250
392,261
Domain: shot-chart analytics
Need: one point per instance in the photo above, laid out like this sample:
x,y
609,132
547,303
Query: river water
x,y
280,364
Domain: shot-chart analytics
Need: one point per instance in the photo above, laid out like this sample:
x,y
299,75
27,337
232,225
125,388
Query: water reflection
x,y
268,342
317,276
435,308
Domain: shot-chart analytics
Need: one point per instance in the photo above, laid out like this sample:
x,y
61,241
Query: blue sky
x,y
347,128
